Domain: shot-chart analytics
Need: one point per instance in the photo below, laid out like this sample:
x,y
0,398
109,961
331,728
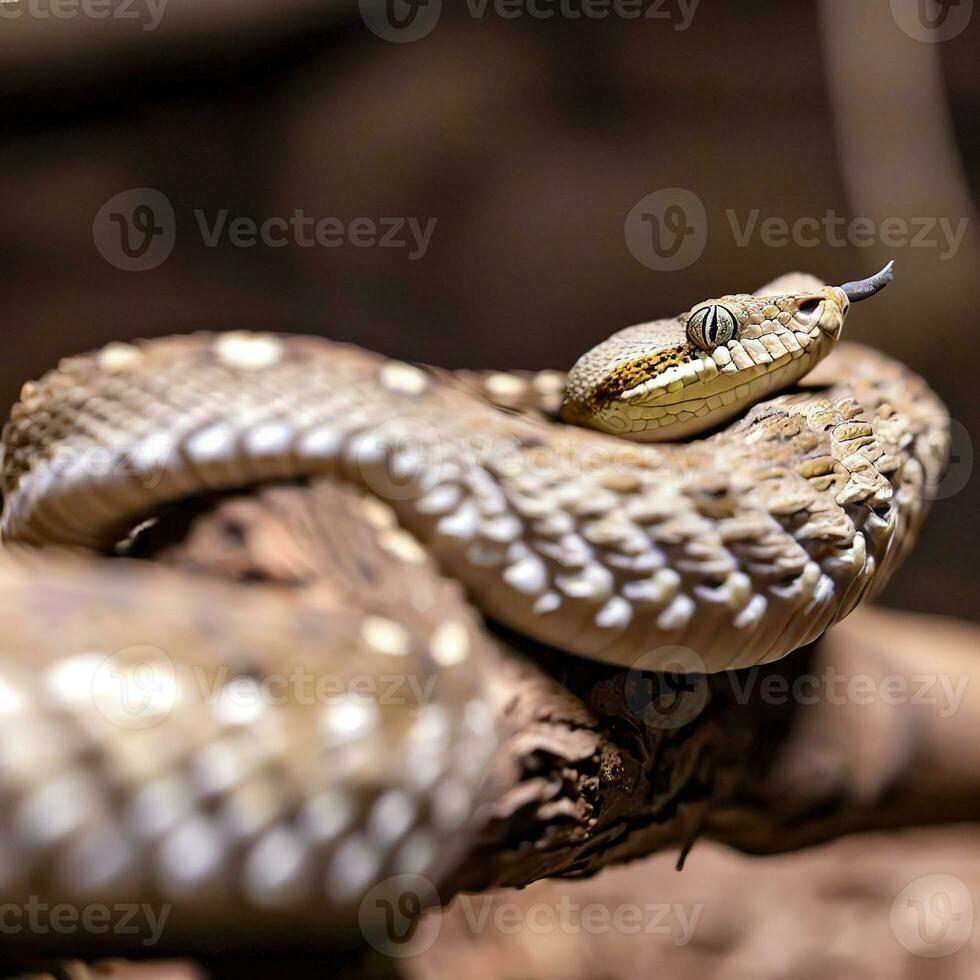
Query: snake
x,y
729,482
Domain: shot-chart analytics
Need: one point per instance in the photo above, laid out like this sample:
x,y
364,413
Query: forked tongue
x,y
864,288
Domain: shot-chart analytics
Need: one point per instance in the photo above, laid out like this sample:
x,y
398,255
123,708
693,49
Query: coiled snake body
x,y
140,750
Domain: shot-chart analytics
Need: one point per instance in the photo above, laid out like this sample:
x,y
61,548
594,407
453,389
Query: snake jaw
x,y
674,379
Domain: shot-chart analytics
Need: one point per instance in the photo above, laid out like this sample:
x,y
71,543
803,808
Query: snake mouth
x,y
692,388
689,412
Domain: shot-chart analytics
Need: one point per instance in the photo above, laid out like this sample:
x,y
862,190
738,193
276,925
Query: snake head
x,y
671,379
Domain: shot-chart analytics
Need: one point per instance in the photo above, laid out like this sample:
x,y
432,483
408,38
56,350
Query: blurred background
x,y
523,147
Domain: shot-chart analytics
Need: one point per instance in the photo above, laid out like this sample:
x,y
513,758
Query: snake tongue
x,y
864,288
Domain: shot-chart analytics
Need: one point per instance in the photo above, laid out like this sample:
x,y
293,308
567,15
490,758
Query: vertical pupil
x,y
711,325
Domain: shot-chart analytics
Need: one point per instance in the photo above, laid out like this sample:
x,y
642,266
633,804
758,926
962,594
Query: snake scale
x,y
142,750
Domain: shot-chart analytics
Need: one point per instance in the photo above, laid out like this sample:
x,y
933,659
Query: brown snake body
x,y
737,547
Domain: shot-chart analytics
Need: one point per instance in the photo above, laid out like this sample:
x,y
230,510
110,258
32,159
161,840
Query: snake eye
x,y
809,307
711,325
